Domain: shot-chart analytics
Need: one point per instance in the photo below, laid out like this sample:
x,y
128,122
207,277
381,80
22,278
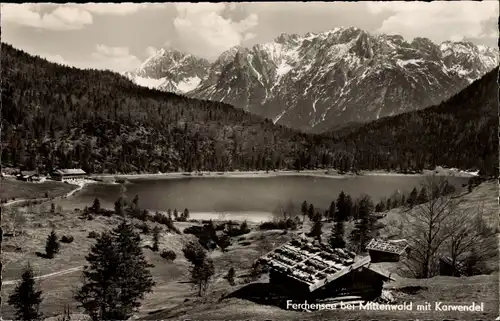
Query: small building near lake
x,y
38,178
69,174
386,251
28,176
322,273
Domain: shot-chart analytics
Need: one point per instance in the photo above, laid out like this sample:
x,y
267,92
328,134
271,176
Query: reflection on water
x,y
234,216
257,198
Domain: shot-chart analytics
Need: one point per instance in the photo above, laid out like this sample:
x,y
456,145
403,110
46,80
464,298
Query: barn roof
x,y
70,171
29,173
314,265
395,247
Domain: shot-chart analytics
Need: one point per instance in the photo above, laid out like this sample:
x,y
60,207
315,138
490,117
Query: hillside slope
x,y
98,120
461,132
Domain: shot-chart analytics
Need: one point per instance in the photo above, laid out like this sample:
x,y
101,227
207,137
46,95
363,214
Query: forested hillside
x,y
56,116
461,132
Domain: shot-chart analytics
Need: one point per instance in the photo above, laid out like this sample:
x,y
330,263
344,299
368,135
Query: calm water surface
x,y
253,198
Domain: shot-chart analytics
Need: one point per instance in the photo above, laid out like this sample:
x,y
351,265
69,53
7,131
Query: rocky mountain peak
x,y
319,80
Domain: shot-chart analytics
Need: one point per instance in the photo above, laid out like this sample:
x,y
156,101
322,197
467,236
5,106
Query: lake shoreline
x,y
263,174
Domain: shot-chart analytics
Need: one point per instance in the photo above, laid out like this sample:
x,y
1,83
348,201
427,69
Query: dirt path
x,y
58,273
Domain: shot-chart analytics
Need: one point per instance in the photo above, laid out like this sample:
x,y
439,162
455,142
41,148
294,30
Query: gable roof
x,y
395,247
71,171
314,265
29,173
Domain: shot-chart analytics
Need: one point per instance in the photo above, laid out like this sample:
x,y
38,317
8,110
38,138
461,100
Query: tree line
x,y
60,117
362,211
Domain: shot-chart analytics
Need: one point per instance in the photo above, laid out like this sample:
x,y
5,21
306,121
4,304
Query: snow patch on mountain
x,y
189,84
151,83
324,79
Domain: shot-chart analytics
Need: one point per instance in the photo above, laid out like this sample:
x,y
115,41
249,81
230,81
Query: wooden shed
x,y
319,272
446,267
386,251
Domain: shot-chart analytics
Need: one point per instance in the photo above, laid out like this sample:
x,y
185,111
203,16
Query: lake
x,y
252,198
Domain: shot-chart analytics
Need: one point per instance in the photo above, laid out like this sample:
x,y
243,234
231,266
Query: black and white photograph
x,y
235,161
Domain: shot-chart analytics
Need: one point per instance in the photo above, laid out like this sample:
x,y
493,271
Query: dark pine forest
x,y
57,116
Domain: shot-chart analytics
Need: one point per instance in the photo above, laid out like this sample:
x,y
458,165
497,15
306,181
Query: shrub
x,y
67,239
168,255
279,225
93,235
195,230
107,213
165,220
144,228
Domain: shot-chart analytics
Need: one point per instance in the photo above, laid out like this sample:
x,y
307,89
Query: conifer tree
x,y
202,268
331,211
120,206
303,209
349,208
156,238
423,196
341,206
185,214
96,206
316,229
117,277
364,224
412,199
244,227
26,297
230,276
337,237
311,212
389,204
52,245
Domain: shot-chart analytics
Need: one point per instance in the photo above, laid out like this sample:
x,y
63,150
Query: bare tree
x,y
15,219
462,232
469,237
425,227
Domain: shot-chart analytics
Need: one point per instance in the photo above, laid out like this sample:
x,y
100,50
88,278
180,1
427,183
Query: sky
x,y
120,36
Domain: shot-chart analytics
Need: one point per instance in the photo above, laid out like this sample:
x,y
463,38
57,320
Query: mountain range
x,y
320,81
55,116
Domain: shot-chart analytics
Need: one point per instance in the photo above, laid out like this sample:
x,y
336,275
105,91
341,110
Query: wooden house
x,y
386,251
69,174
446,267
26,176
319,272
